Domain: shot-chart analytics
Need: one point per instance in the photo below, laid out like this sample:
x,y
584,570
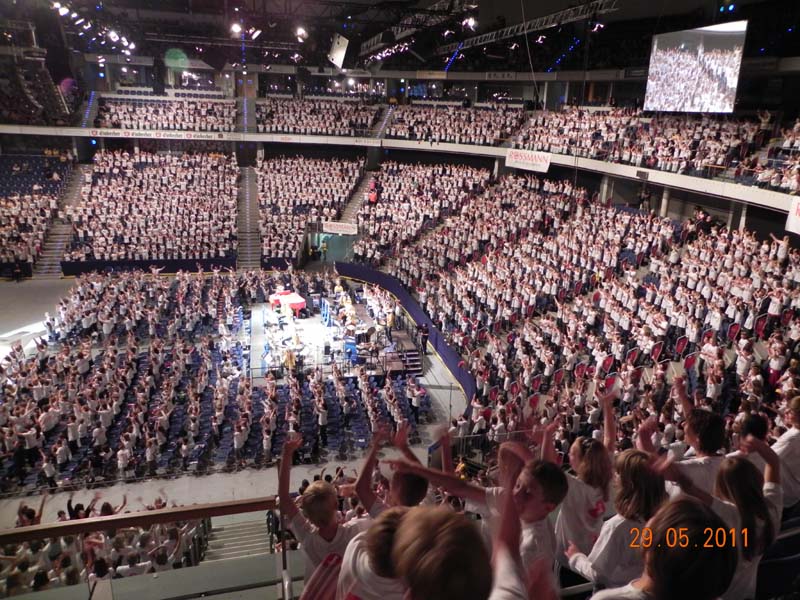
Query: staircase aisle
x,y
246,115
350,212
239,540
382,121
248,233
48,265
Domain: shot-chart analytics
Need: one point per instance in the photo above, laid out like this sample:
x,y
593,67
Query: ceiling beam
x,y
570,15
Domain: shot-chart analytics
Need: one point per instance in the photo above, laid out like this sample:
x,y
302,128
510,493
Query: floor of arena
x,y
22,307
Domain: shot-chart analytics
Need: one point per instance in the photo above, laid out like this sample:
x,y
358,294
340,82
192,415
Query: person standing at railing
x,y
316,523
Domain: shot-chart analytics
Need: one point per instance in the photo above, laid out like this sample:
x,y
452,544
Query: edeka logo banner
x,y
793,218
528,160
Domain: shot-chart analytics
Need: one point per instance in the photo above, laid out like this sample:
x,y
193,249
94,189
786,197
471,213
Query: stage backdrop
x,y
450,357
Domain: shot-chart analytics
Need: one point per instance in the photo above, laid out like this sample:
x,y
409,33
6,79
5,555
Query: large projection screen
x,y
696,70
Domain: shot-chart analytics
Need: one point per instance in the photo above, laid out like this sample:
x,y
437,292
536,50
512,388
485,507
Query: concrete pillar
x,y
543,99
743,218
664,203
496,171
604,189
610,92
566,93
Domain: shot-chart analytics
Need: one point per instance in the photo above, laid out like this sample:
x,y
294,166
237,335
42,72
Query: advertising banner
x,y
528,160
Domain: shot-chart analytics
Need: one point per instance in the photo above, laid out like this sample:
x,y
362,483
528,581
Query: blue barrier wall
x,y
74,268
450,357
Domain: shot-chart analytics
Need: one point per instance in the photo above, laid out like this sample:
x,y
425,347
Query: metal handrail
x,y
138,519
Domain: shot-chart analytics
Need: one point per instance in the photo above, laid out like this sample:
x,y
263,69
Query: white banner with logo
x,y
793,218
528,160
340,228
164,135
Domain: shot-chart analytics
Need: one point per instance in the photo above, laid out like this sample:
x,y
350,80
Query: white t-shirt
x,y
743,584
702,470
612,561
509,578
537,540
580,517
356,576
316,548
788,449
622,593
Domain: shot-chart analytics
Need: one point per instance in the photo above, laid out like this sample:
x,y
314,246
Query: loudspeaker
x,y
159,73
388,37
327,349
303,75
215,59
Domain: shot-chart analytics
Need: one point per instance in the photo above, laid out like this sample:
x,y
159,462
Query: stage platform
x,y
272,333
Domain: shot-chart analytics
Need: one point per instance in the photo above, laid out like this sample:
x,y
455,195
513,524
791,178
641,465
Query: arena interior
x,y
400,301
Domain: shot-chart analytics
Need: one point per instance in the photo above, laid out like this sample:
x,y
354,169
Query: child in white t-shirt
x,y
317,527
367,571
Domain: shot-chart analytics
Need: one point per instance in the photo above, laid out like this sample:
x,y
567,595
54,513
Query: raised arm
x,y
400,441
364,481
679,385
772,470
671,472
446,448
290,445
450,482
609,422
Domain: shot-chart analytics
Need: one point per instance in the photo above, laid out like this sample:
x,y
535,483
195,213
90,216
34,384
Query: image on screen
x,y
696,70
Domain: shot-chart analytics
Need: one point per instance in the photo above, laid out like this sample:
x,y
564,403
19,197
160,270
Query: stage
x,y
281,337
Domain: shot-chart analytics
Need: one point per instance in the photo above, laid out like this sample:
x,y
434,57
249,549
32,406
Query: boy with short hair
x,y
317,527
539,488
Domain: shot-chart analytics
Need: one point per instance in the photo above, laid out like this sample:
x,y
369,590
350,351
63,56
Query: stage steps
x,y
250,538
48,264
412,361
247,220
350,213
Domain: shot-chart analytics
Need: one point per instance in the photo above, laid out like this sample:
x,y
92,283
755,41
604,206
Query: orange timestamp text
x,y
678,537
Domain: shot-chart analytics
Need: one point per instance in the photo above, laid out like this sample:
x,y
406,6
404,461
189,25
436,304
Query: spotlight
x,y
124,41
79,21
88,25
131,46
301,34
63,10
94,141
448,33
56,5
255,34
102,75
74,15
124,69
351,82
731,7
236,28
113,36
469,23
722,8
541,39
598,26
